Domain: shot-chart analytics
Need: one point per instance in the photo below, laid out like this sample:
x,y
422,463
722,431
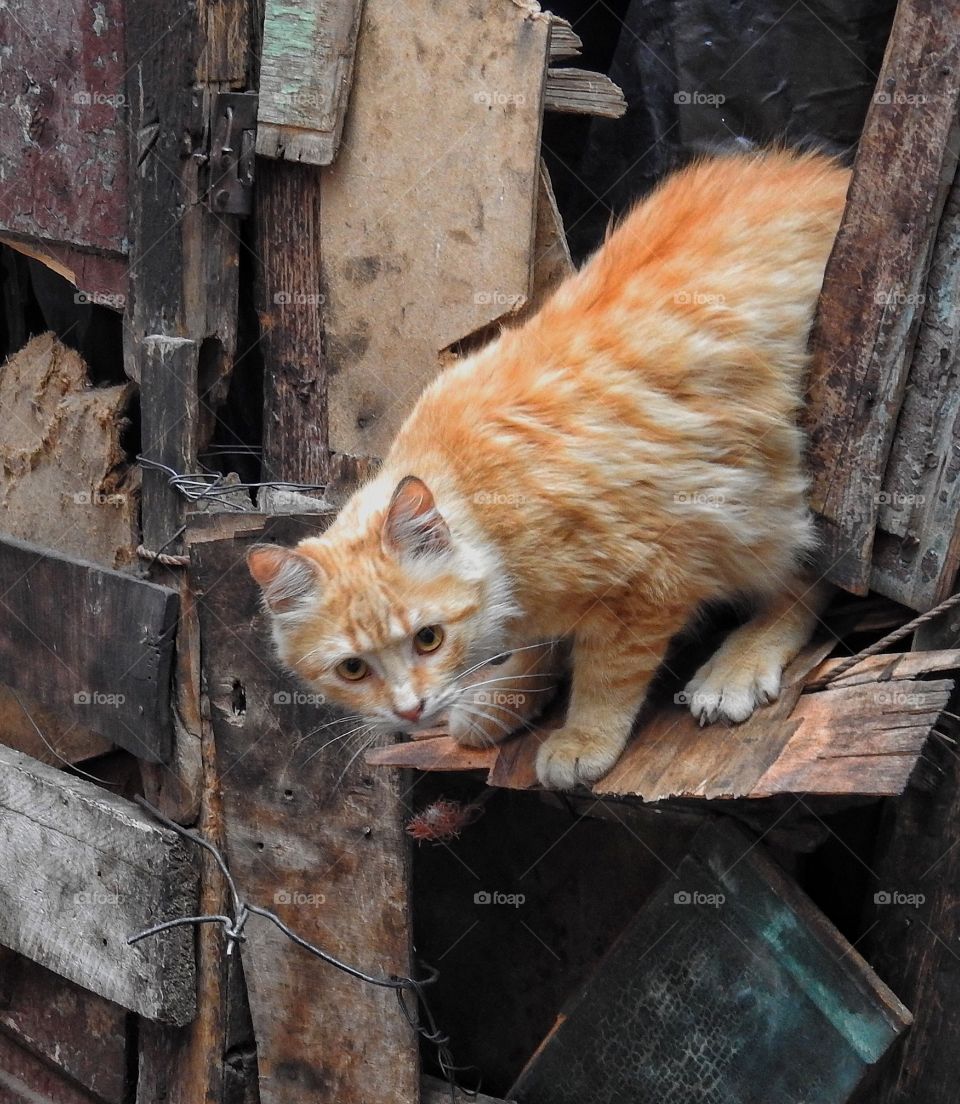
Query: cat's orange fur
x,y
594,476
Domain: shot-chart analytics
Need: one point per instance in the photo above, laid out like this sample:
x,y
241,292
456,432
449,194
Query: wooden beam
x,y
874,282
92,643
306,69
861,736
310,833
289,308
81,870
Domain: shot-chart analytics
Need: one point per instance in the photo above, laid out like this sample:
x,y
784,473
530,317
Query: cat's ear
x,y
413,525
286,577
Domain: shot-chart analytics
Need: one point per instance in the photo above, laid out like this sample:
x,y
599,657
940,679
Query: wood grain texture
x,y
63,135
306,68
26,1079
74,1030
869,309
310,833
95,644
917,549
428,211
108,871
289,307
862,736
581,92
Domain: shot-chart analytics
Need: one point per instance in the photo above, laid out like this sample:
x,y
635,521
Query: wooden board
x,y
728,986
581,92
428,211
858,737
874,282
82,870
81,1034
65,479
289,309
63,137
306,66
917,548
310,833
92,643
25,1079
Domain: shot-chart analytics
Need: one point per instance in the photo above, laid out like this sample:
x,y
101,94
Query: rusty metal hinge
x,y
232,151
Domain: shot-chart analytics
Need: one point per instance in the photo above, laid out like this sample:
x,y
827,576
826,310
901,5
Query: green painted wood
x,y
729,987
305,73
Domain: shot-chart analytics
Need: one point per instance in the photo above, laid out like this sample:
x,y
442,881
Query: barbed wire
x,y
197,486
418,1015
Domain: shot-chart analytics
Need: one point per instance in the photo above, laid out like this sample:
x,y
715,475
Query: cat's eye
x,y
353,669
428,639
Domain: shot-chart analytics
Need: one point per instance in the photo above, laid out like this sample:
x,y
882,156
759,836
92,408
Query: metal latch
x,y
232,150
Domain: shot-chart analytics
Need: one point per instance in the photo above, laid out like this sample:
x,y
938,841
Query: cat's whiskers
x,y
361,728
506,653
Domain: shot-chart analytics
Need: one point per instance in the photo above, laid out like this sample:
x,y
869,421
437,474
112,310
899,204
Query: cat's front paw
x,y
729,687
571,756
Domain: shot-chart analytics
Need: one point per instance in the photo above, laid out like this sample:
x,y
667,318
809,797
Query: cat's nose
x,y
411,714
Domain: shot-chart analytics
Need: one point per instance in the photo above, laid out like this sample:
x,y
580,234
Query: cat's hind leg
x,y
746,669
504,697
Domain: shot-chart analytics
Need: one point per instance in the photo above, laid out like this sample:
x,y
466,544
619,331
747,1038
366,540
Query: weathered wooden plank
x,y
102,278
108,871
44,733
25,1079
862,736
306,69
63,136
874,281
581,92
918,539
80,1033
428,211
311,834
728,981
182,306
95,644
289,307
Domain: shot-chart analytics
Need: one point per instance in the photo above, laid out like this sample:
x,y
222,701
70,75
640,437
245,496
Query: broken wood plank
x,y
101,278
564,40
853,738
428,211
63,137
108,871
92,643
917,548
874,281
728,979
81,1034
581,92
65,479
306,68
310,833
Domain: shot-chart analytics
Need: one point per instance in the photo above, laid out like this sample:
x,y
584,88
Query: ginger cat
x,y
586,482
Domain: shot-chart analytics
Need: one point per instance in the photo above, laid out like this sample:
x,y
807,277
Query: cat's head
x,y
384,618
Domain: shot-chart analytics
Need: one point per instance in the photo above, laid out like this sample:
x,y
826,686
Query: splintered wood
x,y
428,211
861,735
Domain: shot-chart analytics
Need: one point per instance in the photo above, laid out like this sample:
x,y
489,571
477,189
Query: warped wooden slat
x,y
874,281
582,92
94,644
107,871
861,736
310,833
